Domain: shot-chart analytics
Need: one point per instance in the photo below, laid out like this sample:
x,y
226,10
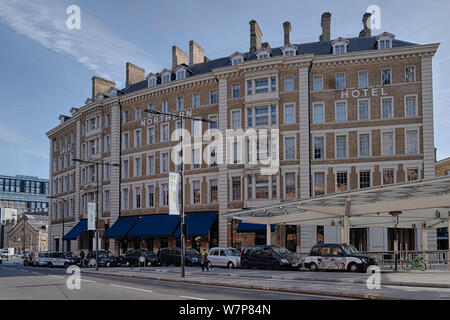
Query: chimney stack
x,y
367,24
287,32
134,74
196,53
178,57
255,36
326,27
100,85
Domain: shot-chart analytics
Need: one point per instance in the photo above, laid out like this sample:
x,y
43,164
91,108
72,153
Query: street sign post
x,y
395,220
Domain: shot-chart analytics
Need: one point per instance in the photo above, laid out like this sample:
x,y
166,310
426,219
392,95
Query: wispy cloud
x,y
96,47
12,137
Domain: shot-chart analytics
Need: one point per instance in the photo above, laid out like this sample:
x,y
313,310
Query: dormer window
x,y
181,74
165,77
263,53
236,58
289,51
340,46
112,92
152,82
100,97
385,40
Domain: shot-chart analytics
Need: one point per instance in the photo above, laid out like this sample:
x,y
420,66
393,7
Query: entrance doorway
x,y
358,238
291,238
406,239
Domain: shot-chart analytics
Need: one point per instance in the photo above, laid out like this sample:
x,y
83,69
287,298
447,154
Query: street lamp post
x,y
182,215
96,201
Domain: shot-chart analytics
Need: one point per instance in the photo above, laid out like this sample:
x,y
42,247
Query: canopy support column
x,y
345,229
268,235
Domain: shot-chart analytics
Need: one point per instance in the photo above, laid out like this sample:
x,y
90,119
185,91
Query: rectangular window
x,y
317,83
138,113
388,176
319,183
165,106
411,106
196,158
273,84
196,100
151,196
411,142
164,195
236,91
340,80
235,120
410,74
262,187
125,199
250,117
289,114
196,192
150,135
125,142
289,148
319,148
387,111
341,146
236,188
213,97
387,142
196,128
341,181
364,179
289,83
363,110
107,144
180,74
107,172
386,76
413,174
152,82
164,162
261,116
166,78
364,145
318,113
137,198
150,164
213,190
125,169
249,87
212,125
341,111
180,103
137,138
261,85
137,167
290,185
165,132
273,114
363,79
125,117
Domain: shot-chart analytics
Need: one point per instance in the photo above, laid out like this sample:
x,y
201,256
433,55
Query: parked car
x,y
337,257
40,259
60,259
131,258
7,253
268,257
224,257
105,259
168,256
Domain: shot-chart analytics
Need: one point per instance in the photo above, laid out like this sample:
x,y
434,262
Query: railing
x,y
435,259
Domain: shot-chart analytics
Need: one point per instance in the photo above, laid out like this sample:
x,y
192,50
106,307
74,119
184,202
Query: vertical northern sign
x,y
174,191
91,215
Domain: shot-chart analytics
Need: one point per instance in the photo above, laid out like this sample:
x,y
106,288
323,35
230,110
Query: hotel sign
x,y
363,93
155,119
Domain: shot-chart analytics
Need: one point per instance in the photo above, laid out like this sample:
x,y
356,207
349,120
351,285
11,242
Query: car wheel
x,y
108,264
353,267
230,265
313,267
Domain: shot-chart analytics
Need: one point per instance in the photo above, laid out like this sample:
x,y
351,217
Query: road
x,y
19,282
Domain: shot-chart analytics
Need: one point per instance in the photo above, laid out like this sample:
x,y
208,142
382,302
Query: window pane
x,y
386,109
290,185
341,112
388,143
364,145
318,83
318,114
289,145
341,146
288,83
364,179
289,114
363,79
341,181
319,183
411,106
319,148
411,142
388,176
340,81
363,109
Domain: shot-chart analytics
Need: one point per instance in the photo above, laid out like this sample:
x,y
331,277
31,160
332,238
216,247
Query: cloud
x,y
11,137
97,48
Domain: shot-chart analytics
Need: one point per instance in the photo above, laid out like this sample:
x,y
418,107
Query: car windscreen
x,y
233,252
192,251
282,251
349,249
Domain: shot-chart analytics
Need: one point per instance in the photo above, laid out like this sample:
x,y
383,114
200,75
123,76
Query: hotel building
x,y
349,113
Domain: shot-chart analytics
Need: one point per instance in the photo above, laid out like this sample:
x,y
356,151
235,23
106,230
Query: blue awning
x,y
161,225
253,227
198,223
79,228
121,227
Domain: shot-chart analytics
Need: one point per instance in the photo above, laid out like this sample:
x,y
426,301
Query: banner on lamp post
x,y
91,215
174,191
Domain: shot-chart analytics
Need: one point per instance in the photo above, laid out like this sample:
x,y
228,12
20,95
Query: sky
x,y
46,68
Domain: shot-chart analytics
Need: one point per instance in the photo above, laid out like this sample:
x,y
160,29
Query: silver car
x,y
224,257
40,259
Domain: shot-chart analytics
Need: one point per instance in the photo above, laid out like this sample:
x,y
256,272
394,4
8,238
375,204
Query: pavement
x,y
429,285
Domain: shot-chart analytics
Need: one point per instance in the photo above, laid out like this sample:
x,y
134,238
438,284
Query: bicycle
x,y
416,264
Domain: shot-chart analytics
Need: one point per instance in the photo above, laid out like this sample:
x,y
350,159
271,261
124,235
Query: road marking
x,y
132,288
36,272
52,275
88,280
195,298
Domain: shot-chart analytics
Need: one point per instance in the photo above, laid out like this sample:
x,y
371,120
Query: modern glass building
x,y
23,192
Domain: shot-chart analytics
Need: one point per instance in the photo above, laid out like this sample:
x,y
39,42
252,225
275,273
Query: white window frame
x,y
371,176
240,118
161,138
148,167
417,105
394,168
284,146
368,107
322,104
382,143
284,183
359,84
324,136
136,132
335,179
147,198
287,104
194,105
192,191
209,190
370,143
161,161
336,146
335,111
321,83
135,173
381,108
345,80
293,83
232,90
415,73
390,78
148,135
417,143
313,173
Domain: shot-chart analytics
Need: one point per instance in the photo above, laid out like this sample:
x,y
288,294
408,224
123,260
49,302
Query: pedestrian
x,y
81,258
204,260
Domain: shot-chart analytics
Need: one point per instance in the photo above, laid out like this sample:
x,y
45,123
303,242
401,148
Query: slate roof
x,y
317,48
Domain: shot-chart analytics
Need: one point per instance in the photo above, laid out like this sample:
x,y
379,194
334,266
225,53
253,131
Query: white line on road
x,y
36,273
52,275
115,285
88,280
195,298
